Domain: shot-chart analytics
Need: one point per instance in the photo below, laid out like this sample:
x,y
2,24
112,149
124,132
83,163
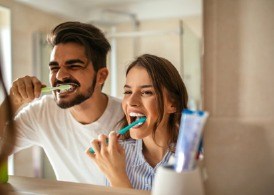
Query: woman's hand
x,y
110,158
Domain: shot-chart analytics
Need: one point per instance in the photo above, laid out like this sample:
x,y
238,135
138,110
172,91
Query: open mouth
x,y
72,88
136,116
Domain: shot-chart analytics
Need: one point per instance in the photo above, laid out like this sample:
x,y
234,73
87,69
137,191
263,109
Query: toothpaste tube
x,y
190,133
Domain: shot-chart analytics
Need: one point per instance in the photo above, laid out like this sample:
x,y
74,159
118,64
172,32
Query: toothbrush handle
x,y
91,149
46,89
124,130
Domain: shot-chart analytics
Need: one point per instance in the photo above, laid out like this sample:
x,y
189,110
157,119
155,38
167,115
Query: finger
x,y
90,155
15,95
29,87
21,88
113,140
37,86
95,144
103,139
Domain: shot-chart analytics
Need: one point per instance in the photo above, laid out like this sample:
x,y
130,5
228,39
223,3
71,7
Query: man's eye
x,y
75,66
54,68
127,92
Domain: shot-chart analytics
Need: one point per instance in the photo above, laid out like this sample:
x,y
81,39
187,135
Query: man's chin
x,y
64,105
70,103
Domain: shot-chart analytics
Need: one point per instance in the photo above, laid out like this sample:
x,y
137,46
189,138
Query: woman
x,y
155,90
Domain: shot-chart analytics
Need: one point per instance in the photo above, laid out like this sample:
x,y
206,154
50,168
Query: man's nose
x,y
62,74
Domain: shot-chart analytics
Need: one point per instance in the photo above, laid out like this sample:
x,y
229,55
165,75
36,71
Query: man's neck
x,y
91,109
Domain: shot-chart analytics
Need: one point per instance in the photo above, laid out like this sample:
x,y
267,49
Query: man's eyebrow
x,y
53,63
73,61
142,86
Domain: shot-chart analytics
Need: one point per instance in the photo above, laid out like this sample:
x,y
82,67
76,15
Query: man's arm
x,y
23,91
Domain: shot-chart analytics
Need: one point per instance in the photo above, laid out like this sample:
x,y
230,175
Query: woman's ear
x,y
171,108
102,75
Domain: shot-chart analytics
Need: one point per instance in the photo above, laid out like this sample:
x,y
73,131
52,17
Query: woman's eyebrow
x,y
142,86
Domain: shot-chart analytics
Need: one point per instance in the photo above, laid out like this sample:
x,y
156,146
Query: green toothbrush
x,y
60,87
125,129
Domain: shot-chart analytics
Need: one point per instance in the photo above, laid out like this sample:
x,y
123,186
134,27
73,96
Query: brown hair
x,y
94,41
164,76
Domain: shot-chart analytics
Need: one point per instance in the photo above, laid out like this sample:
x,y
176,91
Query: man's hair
x,y
95,43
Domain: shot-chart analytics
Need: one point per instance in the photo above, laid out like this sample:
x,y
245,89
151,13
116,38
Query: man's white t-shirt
x,y
64,139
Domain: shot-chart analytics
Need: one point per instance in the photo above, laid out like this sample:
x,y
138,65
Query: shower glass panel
x,y
191,66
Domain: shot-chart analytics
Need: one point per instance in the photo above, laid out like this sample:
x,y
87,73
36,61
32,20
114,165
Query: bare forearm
x,y
121,182
6,115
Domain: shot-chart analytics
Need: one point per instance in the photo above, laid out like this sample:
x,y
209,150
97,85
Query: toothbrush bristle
x,y
64,87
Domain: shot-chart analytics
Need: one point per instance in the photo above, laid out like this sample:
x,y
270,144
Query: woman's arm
x,y
110,158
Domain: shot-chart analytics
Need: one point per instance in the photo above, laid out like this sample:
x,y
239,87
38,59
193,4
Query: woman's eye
x,y
147,93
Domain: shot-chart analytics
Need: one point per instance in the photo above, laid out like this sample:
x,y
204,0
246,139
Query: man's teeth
x,y
72,88
67,90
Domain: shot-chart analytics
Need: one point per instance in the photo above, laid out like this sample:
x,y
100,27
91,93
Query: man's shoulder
x,y
44,100
115,104
115,100
44,103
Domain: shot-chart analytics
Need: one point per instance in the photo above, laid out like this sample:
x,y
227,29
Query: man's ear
x,y
102,75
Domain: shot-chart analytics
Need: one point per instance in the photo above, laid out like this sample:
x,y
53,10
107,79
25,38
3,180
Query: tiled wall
x,y
239,90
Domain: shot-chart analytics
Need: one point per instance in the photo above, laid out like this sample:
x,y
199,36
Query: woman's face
x,y
140,100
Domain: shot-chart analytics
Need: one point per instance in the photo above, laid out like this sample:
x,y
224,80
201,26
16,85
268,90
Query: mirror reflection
x,y
132,29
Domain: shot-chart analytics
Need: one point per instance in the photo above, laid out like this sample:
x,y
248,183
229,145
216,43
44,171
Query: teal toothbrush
x,y
60,87
125,129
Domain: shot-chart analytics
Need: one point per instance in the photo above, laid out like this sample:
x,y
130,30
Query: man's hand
x,y
24,90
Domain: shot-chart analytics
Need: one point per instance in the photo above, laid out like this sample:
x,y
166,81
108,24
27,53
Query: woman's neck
x,y
155,152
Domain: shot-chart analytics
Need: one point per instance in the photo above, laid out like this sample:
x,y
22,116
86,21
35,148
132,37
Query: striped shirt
x,y
139,172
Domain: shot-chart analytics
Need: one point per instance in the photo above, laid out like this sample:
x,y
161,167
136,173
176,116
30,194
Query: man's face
x,y
69,65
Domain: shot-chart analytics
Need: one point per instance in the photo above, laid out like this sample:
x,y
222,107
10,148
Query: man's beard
x,y
80,97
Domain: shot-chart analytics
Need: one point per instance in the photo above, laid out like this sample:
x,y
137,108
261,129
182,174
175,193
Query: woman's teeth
x,y
135,116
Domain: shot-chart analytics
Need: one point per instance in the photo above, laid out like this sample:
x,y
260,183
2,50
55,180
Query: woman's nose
x,y
134,99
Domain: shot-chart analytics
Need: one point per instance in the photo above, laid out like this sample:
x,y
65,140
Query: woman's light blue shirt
x,y
140,173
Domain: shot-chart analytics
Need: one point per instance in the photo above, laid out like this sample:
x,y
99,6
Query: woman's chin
x,y
135,135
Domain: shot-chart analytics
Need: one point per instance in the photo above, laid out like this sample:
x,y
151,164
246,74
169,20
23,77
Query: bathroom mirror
x,y
171,29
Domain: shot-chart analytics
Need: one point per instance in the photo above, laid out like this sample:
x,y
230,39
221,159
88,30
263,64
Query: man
x,y
64,123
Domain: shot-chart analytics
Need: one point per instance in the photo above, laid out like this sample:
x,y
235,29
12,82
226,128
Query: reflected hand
x,y
110,158
24,90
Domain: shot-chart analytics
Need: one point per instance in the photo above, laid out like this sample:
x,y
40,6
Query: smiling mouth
x,y
66,91
136,116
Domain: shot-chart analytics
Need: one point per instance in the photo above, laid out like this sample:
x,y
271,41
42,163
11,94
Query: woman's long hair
x,y
164,75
